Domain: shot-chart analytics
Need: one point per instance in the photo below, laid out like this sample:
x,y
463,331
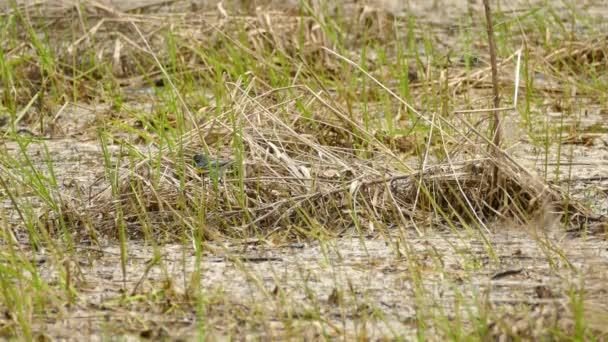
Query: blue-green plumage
x,y
215,166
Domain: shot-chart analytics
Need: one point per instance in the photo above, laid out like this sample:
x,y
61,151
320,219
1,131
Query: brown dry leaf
x,y
543,292
334,297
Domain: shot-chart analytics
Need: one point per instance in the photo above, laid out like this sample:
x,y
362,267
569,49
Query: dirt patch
x,y
353,286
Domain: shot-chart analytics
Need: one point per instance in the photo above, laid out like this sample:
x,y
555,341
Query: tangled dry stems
x,y
293,171
292,182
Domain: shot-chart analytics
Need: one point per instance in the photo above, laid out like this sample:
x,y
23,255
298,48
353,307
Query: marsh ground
x,y
347,215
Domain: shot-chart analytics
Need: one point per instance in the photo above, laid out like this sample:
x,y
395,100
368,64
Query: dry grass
x,y
343,121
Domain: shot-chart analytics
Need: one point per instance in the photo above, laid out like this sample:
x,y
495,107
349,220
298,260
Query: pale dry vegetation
x,y
366,200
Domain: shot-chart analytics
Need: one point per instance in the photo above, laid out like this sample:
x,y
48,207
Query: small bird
x,y
213,166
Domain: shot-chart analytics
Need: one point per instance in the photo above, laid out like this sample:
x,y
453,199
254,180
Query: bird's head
x,y
201,160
